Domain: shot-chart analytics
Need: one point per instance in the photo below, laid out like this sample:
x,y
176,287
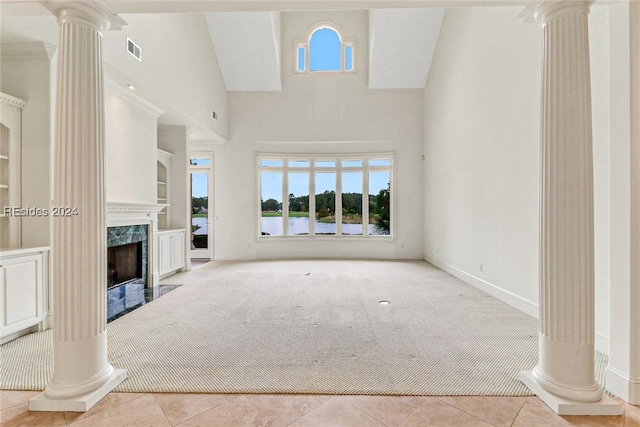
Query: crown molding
x,y
131,96
122,207
12,100
28,51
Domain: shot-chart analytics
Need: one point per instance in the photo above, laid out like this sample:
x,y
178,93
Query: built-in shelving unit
x,y
163,196
10,141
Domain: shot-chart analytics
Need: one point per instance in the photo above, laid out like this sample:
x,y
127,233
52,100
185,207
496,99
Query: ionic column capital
x,y
92,14
545,11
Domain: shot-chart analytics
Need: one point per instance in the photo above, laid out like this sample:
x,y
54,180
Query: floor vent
x,y
134,49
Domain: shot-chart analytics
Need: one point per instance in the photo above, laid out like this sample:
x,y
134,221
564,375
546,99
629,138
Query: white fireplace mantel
x,y
121,213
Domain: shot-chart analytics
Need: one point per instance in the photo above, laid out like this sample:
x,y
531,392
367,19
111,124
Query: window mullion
x,y
365,197
338,203
306,57
285,199
312,198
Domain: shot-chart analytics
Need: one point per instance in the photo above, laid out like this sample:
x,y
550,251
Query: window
x,y
323,196
324,50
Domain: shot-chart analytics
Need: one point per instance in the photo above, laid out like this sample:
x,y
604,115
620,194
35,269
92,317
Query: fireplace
x,y
127,255
124,264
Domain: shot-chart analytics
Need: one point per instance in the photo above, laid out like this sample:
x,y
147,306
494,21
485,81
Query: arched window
x,y
324,50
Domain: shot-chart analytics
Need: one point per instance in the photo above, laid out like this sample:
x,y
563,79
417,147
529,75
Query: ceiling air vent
x,y
134,49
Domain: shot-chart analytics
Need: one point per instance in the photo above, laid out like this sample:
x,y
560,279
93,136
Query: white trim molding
x,y
122,213
526,306
131,96
12,100
623,386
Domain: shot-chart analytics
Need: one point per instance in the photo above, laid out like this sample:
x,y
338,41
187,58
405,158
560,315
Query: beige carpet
x,y
310,327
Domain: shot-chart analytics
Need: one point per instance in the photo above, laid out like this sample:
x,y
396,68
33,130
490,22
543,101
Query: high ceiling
x,y
401,45
246,38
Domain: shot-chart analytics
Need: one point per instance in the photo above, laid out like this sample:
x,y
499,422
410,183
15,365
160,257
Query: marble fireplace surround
x,y
131,216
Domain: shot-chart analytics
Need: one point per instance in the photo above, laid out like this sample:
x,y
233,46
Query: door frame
x,y
209,252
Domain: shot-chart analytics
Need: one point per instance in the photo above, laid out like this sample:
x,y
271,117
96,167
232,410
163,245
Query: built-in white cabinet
x,y
163,188
171,251
10,141
24,290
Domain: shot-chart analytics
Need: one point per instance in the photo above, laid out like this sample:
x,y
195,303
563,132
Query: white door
x,y
201,207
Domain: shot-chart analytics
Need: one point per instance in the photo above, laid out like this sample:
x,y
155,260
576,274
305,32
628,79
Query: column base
x,y
562,406
83,403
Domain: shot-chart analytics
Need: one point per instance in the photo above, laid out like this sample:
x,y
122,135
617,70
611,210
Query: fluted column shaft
x,y
566,363
79,230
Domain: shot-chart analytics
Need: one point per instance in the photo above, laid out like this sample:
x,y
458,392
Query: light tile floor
x,y
234,410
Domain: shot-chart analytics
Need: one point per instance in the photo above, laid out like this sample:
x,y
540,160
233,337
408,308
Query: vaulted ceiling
x,y
401,45
246,39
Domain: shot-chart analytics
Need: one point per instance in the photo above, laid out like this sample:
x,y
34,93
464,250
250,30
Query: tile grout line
x,y
312,409
413,412
141,395
207,410
13,406
260,411
161,410
466,412
519,410
304,415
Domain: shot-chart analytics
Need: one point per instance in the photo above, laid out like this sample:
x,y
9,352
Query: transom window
x,y
324,50
323,196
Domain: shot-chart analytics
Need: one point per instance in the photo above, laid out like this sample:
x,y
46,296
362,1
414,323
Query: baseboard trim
x,y
522,304
231,256
340,255
623,386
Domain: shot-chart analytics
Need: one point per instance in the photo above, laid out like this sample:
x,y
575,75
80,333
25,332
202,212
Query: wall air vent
x,y
134,49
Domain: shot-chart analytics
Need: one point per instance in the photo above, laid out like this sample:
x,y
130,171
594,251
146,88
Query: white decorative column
x,y
82,374
564,377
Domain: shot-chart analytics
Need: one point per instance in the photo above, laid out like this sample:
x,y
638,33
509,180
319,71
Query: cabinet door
x,y
21,293
164,254
178,251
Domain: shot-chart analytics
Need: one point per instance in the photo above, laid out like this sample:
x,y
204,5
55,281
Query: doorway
x,y
201,171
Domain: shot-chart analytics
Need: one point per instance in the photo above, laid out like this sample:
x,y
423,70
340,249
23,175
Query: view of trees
x,y
199,205
381,210
271,205
379,207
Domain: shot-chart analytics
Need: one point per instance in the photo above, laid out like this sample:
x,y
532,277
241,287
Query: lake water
x,y
202,222
273,226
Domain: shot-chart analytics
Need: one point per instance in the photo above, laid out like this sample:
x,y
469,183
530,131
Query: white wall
x,y
600,92
623,372
342,116
28,72
179,68
130,149
482,103
482,139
